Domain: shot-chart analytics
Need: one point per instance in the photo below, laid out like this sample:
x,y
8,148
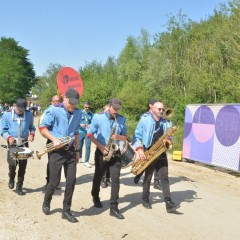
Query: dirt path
x,y
210,206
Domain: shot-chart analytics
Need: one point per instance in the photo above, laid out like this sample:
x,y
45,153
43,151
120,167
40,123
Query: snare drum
x,y
25,154
127,153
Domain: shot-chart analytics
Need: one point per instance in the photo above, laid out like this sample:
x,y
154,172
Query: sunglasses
x,y
160,109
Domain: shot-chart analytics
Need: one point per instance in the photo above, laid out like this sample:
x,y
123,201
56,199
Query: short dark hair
x,y
115,103
152,101
87,103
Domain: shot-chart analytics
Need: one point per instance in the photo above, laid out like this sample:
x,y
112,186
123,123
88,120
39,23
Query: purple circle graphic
x,y
203,124
204,115
227,125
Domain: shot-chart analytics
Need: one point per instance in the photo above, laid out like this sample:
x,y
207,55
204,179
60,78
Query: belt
x,y
67,147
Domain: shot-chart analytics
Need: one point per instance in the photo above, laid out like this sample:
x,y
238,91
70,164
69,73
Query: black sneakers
x,y
46,208
11,183
147,204
116,213
171,206
97,203
69,216
19,190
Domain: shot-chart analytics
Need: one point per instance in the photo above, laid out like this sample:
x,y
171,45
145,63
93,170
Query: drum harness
x,y
19,141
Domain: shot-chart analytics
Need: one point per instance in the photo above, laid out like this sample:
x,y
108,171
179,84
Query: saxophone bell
x,y
169,112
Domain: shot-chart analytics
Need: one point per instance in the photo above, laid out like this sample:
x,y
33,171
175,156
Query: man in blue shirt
x,y
150,128
105,131
17,128
58,122
86,119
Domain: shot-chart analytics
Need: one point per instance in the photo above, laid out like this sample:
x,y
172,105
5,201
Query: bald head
x,y
55,100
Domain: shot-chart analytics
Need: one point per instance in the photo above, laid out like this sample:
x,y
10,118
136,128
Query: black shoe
x,y
108,182
157,185
19,191
136,179
104,183
147,204
171,206
68,216
115,213
46,208
97,203
11,183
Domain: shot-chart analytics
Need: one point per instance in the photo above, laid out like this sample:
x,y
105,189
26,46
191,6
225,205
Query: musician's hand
x,y
30,138
57,143
77,157
104,150
118,137
141,154
11,141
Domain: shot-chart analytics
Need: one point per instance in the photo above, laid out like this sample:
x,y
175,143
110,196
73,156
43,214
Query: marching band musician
x,y
100,134
150,128
58,122
17,128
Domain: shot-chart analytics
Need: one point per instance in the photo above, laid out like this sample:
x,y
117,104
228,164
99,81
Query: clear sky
x,y
74,32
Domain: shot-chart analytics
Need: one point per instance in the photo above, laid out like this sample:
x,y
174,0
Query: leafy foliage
x,y
16,71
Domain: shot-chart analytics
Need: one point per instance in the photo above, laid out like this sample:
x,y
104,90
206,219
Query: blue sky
x,y
73,32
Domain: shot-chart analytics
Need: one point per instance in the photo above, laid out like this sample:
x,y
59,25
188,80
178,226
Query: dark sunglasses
x,y
161,109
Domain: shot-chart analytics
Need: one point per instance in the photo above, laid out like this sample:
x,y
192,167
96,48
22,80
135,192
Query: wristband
x,y
77,150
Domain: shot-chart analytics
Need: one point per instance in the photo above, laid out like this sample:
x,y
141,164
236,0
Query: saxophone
x,y
111,146
155,151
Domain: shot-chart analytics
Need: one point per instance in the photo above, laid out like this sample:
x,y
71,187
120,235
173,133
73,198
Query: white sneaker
x,y
87,165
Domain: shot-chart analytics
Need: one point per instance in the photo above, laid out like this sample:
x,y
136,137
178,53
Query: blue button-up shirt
x,y
144,131
60,122
10,122
102,126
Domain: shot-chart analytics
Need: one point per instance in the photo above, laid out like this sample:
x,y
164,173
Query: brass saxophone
x,y
111,146
155,151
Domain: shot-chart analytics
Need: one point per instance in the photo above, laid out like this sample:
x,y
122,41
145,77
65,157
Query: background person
x,y
86,119
12,121
150,128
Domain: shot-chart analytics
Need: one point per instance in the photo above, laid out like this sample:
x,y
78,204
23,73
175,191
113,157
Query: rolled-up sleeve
x,y
138,135
93,126
4,127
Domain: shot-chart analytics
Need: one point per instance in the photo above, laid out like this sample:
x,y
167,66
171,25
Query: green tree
x,y
17,75
46,86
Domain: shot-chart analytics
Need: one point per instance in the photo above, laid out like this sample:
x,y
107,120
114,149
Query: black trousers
x,y
12,166
48,172
161,166
57,159
100,167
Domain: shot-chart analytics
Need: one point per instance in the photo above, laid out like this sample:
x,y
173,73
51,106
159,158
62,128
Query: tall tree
x,y
46,85
17,75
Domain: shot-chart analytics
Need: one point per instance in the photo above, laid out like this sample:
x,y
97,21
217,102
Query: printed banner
x,y
211,135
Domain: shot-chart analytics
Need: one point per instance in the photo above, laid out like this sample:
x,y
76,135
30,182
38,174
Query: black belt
x,y
67,147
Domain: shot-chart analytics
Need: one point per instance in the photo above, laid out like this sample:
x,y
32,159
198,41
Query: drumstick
x,y
25,142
